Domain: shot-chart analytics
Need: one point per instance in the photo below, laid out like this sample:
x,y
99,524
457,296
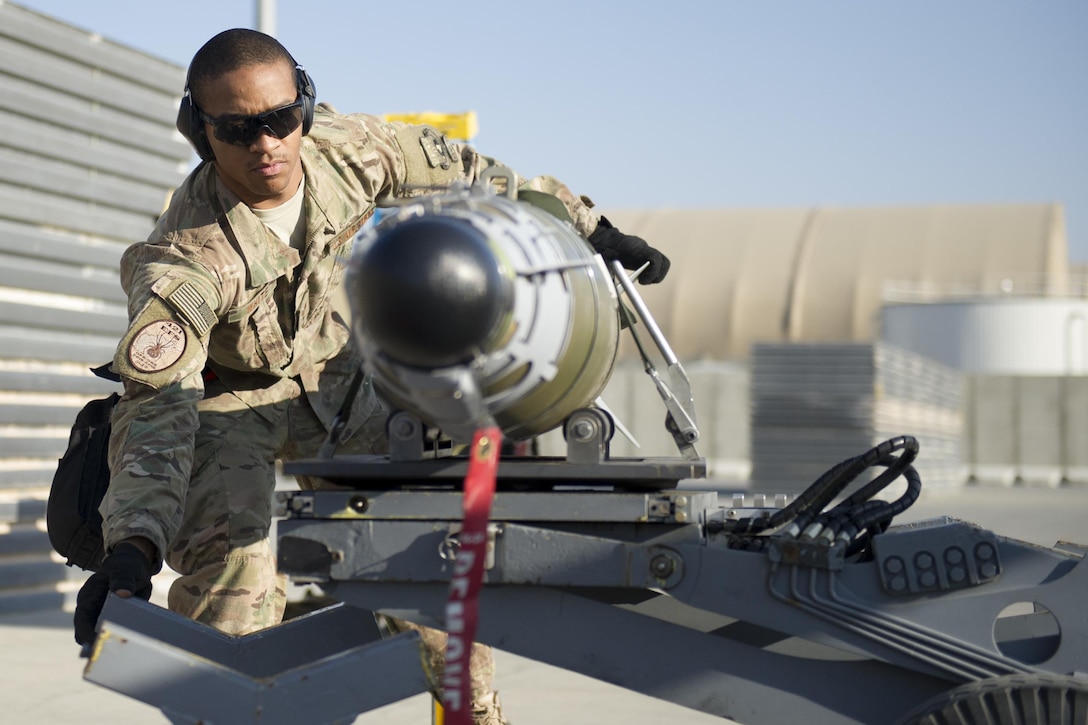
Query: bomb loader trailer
x,y
817,610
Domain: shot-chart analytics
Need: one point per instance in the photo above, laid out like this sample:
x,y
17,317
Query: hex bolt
x,y
662,566
483,448
582,430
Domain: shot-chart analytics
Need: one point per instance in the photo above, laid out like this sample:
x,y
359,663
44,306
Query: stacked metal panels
x,y
88,157
1027,429
814,405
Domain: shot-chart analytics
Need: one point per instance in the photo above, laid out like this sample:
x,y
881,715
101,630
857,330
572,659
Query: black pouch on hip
x,y
72,518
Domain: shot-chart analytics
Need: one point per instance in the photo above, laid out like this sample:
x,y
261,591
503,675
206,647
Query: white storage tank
x,y
995,335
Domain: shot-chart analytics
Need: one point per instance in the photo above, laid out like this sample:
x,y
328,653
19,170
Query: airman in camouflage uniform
x,y
234,355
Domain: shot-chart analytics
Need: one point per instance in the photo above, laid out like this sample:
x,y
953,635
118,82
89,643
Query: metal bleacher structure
x,y
88,156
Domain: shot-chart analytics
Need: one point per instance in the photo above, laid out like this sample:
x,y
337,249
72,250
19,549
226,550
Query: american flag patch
x,y
191,306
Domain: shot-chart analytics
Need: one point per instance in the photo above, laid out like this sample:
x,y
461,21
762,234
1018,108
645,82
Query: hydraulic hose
x,y
859,513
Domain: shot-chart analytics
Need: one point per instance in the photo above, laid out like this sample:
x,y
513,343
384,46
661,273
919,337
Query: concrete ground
x,y
40,671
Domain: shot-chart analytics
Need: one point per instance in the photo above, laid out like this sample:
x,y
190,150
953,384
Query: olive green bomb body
x,y
472,309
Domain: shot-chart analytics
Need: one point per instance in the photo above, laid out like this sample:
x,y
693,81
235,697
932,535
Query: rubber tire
x,y
1045,699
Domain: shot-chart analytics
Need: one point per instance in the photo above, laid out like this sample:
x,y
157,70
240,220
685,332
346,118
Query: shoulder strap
x,y
332,440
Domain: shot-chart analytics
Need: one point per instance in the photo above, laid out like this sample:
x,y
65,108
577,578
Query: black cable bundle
x,y
805,518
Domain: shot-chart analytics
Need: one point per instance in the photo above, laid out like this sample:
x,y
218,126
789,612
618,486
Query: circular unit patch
x,y
157,346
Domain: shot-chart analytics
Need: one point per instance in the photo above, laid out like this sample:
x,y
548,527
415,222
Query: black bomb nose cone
x,y
428,292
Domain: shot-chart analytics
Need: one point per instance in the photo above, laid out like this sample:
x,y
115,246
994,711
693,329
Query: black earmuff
x,y
308,93
191,125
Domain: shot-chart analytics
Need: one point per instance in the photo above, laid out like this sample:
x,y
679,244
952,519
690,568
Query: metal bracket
x,y
782,550
405,437
676,394
321,668
450,545
588,432
499,172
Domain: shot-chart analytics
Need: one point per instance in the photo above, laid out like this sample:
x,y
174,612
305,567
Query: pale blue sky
x,y
704,103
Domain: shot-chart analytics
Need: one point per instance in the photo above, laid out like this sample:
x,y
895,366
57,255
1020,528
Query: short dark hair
x,y
231,50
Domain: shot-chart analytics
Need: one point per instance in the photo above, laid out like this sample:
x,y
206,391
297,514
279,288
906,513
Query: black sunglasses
x,y
244,130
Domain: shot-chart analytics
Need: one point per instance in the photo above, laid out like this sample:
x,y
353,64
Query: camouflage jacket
x,y
212,288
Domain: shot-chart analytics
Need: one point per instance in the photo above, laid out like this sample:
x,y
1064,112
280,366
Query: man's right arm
x,y
150,456
161,360
173,305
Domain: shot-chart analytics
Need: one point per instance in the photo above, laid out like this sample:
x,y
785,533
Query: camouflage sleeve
x,y
151,457
161,359
421,159
580,208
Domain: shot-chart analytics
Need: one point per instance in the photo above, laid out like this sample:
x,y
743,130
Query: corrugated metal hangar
x,y
742,276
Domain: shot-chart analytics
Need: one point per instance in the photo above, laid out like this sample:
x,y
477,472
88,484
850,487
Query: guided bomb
x,y
473,308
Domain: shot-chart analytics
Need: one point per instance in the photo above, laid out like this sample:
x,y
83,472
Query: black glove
x,y
632,252
125,569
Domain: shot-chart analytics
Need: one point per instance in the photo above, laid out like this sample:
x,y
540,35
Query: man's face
x,y
266,172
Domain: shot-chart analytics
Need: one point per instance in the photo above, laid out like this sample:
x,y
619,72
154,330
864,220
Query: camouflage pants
x,y
481,662
222,550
